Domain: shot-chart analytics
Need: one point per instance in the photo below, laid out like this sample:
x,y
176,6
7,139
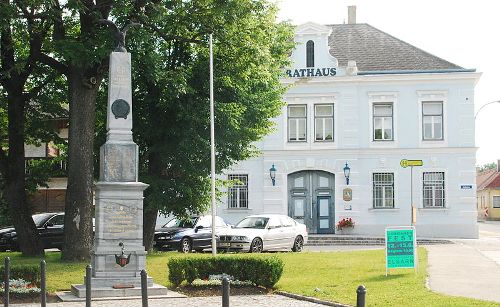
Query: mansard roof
x,y
376,51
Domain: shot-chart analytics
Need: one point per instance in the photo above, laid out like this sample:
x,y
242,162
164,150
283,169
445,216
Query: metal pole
x,y
225,292
43,288
361,296
88,286
144,288
6,281
411,195
212,146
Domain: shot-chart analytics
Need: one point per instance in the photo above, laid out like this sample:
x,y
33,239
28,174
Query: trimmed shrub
x,y
30,273
261,270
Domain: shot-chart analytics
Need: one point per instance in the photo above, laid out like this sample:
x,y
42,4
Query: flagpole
x,y
212,146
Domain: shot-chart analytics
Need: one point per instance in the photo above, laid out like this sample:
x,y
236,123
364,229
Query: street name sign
x,y
400,248
405,163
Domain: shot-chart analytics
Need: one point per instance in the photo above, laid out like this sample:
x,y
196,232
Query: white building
x,y
362,97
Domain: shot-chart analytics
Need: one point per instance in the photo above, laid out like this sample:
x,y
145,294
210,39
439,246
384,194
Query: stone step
x,y
325,240
98,292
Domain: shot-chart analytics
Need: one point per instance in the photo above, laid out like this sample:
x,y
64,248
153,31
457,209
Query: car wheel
x,y
186,246
298,244
256,246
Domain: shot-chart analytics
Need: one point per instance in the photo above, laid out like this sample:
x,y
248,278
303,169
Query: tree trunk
x,y
149,219
20,212
78,236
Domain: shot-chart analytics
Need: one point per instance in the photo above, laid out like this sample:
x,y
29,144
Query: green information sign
x,y
400,246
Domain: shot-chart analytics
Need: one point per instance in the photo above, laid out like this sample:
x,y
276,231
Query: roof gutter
x,y
434,71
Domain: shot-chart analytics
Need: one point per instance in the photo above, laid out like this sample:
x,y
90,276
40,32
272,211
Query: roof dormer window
x,y
310,54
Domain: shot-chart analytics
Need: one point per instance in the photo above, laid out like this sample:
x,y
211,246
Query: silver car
x,y
264,232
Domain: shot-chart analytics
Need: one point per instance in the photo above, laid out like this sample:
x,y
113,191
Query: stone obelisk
x,y
118,255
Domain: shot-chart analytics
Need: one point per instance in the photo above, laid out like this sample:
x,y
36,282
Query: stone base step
x,y
325,240
99,292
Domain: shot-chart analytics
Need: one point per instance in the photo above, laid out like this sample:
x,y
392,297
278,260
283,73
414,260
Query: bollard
x,y
361,294
6,282
225,292
144,288
88,286
43,287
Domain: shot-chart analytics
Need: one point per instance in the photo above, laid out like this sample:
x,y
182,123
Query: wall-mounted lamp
x,y
272,174
347,172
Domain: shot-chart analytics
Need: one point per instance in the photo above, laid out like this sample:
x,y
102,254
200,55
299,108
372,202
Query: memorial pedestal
x,y
118,255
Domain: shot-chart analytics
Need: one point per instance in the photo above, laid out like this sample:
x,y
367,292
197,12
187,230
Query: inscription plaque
x,y
120,220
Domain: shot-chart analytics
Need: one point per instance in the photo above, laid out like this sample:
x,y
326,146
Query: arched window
x,y
310,54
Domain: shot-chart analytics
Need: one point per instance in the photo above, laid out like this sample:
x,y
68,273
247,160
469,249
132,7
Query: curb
x,y
309,299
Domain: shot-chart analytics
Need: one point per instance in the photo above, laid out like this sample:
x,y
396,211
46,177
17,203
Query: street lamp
x,y
484,105
272,174
347,172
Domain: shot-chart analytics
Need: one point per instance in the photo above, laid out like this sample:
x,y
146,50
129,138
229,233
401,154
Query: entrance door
x,y
310,200
324,214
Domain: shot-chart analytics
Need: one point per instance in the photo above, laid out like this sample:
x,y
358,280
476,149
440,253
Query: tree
x,y
171,101
173,42
487,166
24,28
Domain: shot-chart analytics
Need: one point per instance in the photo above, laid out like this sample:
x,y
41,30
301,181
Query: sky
x,y
466,33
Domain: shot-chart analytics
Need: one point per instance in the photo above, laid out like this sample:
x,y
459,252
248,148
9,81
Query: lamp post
x,y
272,174
484,105
347,173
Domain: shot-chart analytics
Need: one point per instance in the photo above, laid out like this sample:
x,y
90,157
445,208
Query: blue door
x,y
325,212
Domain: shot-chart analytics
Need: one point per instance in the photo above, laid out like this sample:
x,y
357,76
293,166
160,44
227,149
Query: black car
x,y
185,235
50,229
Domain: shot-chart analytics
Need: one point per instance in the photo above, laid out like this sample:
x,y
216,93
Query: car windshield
x,y
253,222
181,223
40,219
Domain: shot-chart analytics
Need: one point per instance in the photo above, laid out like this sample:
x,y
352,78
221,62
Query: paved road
x,y
469,268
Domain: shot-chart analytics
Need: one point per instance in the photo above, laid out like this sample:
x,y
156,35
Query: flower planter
x,y
346,231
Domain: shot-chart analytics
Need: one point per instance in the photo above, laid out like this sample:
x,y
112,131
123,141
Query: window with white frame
x,y
432,120
383,190
433,190
496,201
297,123
383,122
238,193
323,122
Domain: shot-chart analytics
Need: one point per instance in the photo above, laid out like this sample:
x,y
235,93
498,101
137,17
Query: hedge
x,y
261,270
30,273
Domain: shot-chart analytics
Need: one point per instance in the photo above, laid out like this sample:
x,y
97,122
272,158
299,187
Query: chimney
x,y
498,165
351,14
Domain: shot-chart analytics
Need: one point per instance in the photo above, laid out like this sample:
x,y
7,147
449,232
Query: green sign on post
x,y
400,247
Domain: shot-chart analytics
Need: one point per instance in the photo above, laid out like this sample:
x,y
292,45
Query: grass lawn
x,y
335,275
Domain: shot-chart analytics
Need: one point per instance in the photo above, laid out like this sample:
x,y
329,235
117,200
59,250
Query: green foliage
x,y
488,166
260,270
171,92
28,272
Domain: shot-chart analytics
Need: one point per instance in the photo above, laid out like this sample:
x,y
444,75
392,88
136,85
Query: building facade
x,y
50,198
488,194
362,99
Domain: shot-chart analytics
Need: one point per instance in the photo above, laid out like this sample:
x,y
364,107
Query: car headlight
x,y
240,238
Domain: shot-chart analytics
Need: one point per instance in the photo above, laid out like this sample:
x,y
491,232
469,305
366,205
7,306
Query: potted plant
x,y
345,224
